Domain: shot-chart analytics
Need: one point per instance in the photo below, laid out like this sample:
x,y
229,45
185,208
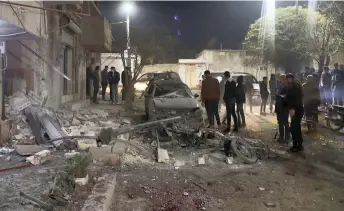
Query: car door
x,y
149,100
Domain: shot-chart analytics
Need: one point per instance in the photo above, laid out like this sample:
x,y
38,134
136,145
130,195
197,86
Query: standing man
x,y
282,111
104,81
326,84
240,100
249,91
229,97
273,90
210,94
95,84
294,99
221,102
88,81
264,94
114,78
125,81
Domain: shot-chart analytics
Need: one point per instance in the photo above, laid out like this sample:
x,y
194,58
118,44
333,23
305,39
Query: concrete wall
x,y
231,60
161,68
27,71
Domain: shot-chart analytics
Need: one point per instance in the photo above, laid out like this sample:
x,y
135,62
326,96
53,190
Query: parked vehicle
x,y
166,98
143,81
335,117
234,75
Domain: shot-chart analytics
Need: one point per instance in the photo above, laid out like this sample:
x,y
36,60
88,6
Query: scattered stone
x,y
19,136
6,150
163,156
103,154
75,121
82,181
8,158
269,204
126,121
201,160
119,147
39,157
229,160
26,150
185,193
84,144
154,144
261,189
179,163
71,154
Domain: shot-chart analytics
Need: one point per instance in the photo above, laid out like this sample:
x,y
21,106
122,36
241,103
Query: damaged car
x,y
167,98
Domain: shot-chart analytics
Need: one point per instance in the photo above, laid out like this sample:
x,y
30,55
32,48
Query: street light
x,y
128,8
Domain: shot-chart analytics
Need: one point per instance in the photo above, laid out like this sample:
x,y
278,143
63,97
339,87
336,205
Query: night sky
x,y
202,24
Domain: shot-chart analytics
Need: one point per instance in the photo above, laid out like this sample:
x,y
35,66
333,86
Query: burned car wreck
x,y
167,98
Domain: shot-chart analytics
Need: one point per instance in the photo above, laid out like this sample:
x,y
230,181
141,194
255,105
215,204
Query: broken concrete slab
x,y
201,160
163,156
120,147
39,157
26,150
71,154
229,160
85,144
75,121
82,181
104,154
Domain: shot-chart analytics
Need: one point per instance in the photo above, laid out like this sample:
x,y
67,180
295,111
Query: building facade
x,y
50,46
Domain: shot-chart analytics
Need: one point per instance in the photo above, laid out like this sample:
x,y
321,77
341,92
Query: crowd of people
x,y
289,98
106,79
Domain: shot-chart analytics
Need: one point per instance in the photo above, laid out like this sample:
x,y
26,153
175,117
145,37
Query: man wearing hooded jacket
x,y
230,98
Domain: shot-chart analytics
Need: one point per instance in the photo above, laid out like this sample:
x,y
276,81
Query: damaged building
x,y
49,44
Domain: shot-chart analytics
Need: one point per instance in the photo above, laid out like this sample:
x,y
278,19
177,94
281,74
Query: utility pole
x,y
3,66
128,42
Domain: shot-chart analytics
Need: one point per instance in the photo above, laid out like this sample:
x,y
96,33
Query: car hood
x,y
176,103
255,86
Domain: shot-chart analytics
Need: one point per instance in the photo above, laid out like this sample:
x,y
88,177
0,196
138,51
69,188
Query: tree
x,y
150,45
300,35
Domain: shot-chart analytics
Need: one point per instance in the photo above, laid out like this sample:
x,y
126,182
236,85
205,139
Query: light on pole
x,y
128,8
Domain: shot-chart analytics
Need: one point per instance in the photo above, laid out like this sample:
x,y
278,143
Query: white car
x,y
142,82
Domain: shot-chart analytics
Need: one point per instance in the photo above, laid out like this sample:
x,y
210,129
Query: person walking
x,y
264,94
240,100
125,81
104,81
114,78
210,96
221,102
229,97
282,111
337,90
273,90
95,84
294,100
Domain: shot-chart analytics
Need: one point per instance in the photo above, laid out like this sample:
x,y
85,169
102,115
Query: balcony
x,y
96,34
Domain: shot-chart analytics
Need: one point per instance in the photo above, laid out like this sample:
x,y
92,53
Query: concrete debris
x,y
104,155
126,121
120,147
269,204
8,158
261,189
39,157
75,122
179,163
6,150
185,193
19,136
71,154
82,181
85,144
229,160
201,160
163,156
26,150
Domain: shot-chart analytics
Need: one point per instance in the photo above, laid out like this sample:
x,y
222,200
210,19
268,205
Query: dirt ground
x,y
312,180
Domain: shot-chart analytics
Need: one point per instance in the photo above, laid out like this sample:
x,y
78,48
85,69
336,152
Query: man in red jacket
x,y
210,94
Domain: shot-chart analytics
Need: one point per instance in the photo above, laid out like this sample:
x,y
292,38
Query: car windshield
x,y
161,76
172,91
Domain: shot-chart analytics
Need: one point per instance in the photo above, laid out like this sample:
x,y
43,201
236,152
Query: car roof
x,y
169,82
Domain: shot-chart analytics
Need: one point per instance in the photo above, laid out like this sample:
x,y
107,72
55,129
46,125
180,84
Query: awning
x,y
9,31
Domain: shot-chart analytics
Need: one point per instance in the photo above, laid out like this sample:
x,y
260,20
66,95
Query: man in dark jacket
x,y
338,88
229,97
273,91
125,81
114,78
104,81
240,100
249,92
294,100
264,94
282,111
210,94
95,84
311,99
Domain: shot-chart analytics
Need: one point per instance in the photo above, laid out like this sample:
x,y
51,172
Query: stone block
x,y
104,154
82,181
28,149
163,156
85,144
201,160
69,155
39,157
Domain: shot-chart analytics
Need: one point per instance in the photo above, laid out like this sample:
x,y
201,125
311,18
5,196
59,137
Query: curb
x,y
102,194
